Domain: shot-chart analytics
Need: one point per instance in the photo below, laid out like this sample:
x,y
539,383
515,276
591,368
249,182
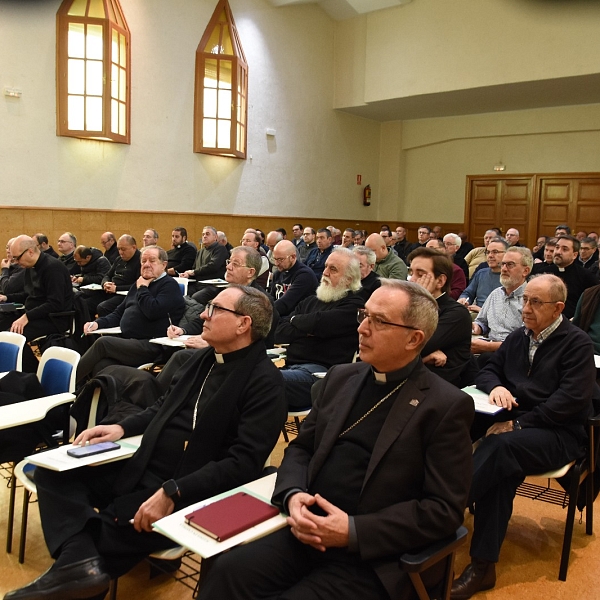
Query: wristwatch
x,y
171,489
516,427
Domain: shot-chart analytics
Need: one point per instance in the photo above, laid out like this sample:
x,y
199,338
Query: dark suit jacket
x,y
416,485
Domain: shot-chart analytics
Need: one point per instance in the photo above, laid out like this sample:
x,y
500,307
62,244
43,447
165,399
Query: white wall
x,y
309,169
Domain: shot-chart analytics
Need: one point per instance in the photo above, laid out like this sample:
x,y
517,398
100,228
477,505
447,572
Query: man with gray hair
x,y
146,312
513,237
452,244
369,280
543,376
501,312
362,486
150,237
66,246
321,331
210,260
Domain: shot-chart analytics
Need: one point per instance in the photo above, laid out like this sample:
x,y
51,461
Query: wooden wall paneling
x,y
481,207
587,205
514,206
555,204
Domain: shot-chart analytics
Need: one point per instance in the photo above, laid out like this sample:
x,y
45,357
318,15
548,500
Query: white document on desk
x,y
175,527
90,286
175,342
481,400
57,459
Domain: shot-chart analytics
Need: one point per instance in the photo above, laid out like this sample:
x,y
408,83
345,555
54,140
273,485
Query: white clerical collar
x,y
219,358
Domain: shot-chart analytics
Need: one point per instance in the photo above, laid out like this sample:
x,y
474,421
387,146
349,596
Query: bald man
x,y
387,265
292,281
47,289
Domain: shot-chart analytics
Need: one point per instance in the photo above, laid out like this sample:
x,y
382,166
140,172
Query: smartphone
x,y
82,451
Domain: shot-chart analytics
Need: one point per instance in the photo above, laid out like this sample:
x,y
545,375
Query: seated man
x,y
501,312
369,280
47,289
321,332
120,278
109,242
211,432
43,244
92,266
210,259
146,312
292,281
544,376
150,238
181,254
381,466
487,279
319,255
459,281
447,351
587,315
66,246
387,264
12,278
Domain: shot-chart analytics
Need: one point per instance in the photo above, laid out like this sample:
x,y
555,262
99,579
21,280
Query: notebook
x,y
231,515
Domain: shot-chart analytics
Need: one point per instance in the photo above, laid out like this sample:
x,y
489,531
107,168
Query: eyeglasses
x,y
495,252
15,259
536,302
509,265
377,322
235,265
279,260
210,309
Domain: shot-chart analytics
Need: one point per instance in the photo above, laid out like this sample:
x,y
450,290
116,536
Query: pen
x,y
170,322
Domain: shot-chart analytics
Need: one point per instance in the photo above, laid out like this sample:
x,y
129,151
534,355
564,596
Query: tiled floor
x,y
528,568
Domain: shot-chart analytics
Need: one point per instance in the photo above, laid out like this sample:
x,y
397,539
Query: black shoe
x,y
478,576
83,579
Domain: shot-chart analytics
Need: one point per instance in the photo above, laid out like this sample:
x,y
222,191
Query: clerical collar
x,y
399,375
235,355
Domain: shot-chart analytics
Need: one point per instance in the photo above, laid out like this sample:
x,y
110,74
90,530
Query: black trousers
x,y
110,350
279,566
67,501
500,464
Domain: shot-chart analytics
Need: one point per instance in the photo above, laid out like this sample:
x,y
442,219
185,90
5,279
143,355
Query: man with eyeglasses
x,y
321,331
93,266
501,312
297,231
381,466
543,375
292,281
211,432
308,237
47,288
66,246
447,352
109,242
588,254
485,280
477,256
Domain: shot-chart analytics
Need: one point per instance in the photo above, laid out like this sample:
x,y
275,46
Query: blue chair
x,y
11,351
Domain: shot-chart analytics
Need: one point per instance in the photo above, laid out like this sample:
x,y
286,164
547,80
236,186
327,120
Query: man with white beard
x,y
322,330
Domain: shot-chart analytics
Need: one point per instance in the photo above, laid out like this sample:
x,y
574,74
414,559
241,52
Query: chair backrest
x,y
56,371
183,284
11,351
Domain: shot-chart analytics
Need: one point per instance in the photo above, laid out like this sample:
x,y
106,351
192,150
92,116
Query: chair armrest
x,y
420,561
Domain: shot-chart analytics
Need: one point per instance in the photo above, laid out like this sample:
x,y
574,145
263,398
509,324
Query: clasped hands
x,y
330,531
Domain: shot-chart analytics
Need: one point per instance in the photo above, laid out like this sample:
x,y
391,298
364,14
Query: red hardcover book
x,y
229,516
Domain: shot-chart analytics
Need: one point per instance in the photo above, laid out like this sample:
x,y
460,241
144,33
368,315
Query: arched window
x,y
92,70
221,95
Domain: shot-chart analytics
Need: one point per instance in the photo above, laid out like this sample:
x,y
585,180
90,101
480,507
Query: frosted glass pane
x,y
122,85
210,103
76,40
93,78
114,81
96,9
225,74
75,108
224,134
76,83
123,52
224,104
115,46
78,9
209,133
93,113
122,119
210,73
94,42
226,45
114,116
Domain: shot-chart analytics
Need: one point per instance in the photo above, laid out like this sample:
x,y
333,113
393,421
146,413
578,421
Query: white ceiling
x,y
344,9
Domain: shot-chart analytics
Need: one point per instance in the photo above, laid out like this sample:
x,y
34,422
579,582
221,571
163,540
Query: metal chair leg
x,y
12,483
26,498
